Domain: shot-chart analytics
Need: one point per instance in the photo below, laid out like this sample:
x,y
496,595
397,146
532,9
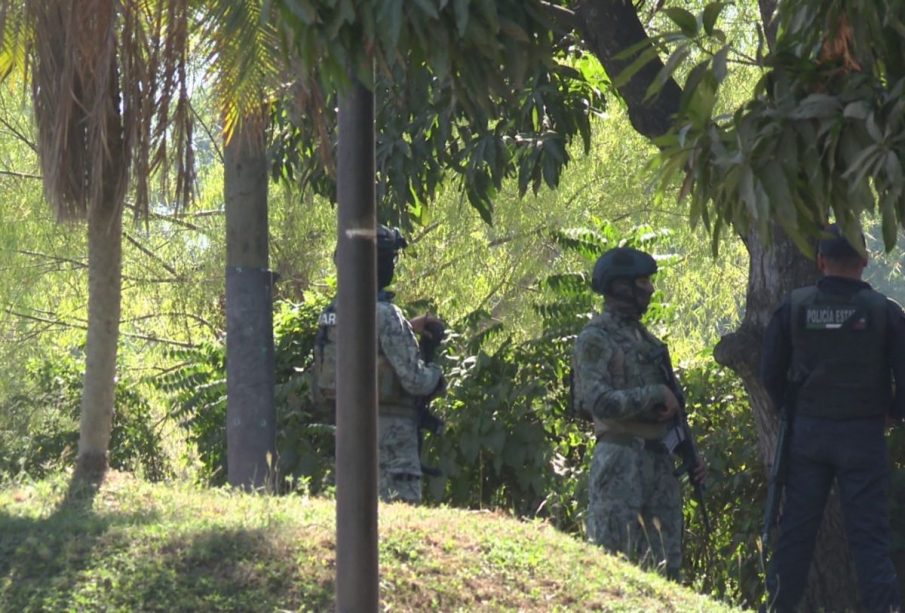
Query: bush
x,y
196,385
39,431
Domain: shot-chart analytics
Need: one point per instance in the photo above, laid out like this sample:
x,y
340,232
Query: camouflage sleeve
x,y
595,358
399,345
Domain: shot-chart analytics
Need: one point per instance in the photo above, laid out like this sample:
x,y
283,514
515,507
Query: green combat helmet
x,y
621,263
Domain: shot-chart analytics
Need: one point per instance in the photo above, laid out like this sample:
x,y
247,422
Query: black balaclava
x,y
386,266
626,298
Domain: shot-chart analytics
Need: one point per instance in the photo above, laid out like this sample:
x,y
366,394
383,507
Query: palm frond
x,y
243,56
110,97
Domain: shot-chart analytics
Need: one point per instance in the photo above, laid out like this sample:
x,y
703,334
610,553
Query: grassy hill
x,y
144,547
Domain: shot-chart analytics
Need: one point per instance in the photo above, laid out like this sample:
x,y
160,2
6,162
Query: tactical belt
x,y
627,440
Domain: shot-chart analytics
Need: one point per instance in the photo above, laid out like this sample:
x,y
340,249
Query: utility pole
x,y
357,587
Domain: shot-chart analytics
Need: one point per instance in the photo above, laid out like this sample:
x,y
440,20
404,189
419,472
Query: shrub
x,y
39,431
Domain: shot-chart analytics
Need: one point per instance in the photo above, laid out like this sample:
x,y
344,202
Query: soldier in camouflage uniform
x,y
635,504
404,379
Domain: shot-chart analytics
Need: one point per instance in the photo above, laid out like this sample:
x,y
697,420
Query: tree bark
x,y
608,27
250,409
104,300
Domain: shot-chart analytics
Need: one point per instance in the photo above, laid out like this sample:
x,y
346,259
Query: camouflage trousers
x,y
400,465
636,506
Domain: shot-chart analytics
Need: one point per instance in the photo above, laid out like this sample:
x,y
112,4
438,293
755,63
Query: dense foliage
x,y
821,137
47,408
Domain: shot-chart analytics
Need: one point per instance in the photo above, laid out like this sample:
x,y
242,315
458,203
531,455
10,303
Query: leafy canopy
x,y
479,88
822,137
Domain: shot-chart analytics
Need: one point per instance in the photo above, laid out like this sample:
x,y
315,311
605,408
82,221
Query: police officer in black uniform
x,y
832,351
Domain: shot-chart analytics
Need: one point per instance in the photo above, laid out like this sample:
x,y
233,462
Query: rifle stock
x,y
430,422
688,453
779,471
426,419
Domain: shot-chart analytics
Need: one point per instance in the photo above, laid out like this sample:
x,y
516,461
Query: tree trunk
x,y
608,27
104,298
250,411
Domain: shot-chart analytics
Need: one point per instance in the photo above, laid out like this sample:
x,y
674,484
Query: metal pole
x,y
356,368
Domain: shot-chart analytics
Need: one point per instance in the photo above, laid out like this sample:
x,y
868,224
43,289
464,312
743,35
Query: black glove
x,y
433,334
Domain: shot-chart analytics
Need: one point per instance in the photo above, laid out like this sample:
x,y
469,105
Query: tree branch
x,y
207,131
153,256
192,316
563,19
18,135
20,175
75,326
53,258
609,27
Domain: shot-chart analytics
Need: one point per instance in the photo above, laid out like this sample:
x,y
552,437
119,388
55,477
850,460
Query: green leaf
x,y
861,164
719,64
816,106
873,129
648,54
460,9
703,98
666,73
302,9
893,167
859,109
686,21
888,216
390,22
428,7
710,15
779,191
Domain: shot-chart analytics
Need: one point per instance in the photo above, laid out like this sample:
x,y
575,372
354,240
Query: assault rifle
x,y
427,346
678,439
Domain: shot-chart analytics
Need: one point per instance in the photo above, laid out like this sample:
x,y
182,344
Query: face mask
x,y
629,299
386,266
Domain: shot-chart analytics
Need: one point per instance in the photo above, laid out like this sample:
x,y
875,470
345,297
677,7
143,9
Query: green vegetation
x,y
504,265
148,547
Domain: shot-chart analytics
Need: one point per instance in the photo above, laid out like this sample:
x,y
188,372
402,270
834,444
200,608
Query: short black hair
x,y
836,247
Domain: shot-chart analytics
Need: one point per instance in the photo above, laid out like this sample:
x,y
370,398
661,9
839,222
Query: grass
x,y
174,547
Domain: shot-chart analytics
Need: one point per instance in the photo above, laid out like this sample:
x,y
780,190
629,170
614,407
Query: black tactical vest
x,y
839,354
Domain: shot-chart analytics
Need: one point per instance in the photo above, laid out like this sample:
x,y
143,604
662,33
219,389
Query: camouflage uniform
x,y
404,378
635,501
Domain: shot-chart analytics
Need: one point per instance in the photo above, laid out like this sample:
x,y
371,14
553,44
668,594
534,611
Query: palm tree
x,y
110,99
246,74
